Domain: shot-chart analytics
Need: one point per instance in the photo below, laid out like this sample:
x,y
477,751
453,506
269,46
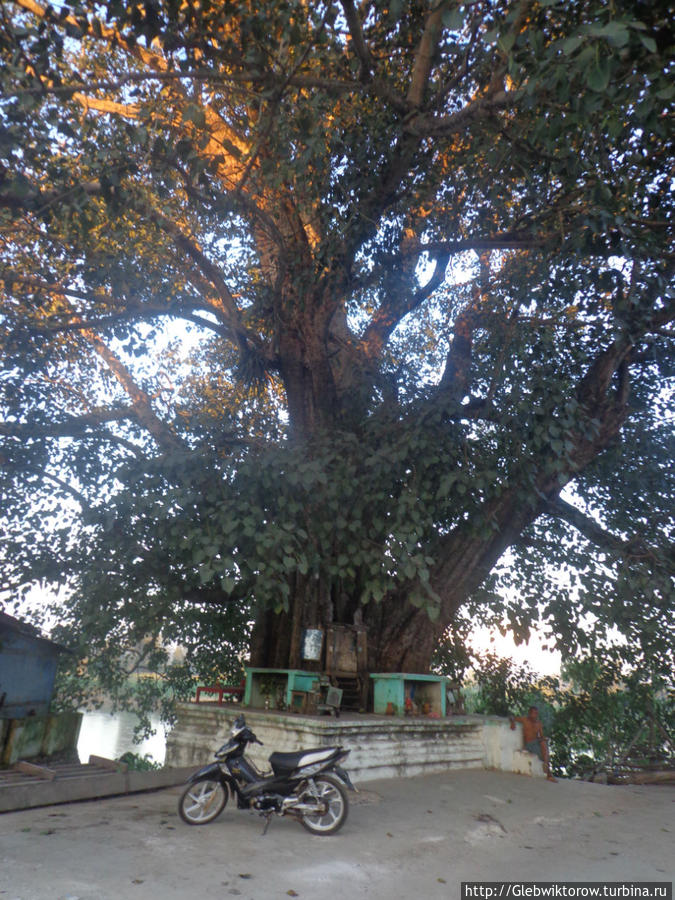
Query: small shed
x,y
27,669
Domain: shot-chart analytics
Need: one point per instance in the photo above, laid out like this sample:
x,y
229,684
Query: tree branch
x,y
504,241
110,35
356,33
225,307
107,107
428,126
72,426
634,549
54,323
270,80
454,383
425,54
68,488
141,403
395,308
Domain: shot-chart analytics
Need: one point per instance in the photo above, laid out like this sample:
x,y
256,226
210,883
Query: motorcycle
x,y
308,785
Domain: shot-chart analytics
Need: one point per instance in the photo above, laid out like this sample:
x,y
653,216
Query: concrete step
x,y
20,790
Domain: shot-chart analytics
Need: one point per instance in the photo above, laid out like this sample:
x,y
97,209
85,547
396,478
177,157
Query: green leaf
x,y
571,44
195,114
453,18
615,32
598,74
395,10
506,41
649,42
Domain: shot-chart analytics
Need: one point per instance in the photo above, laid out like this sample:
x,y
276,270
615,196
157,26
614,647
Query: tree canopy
x,y
313,311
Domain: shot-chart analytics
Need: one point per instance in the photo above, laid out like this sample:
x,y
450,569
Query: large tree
x,y
422,250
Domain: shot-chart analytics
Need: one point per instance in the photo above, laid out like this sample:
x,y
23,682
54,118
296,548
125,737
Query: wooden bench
x,y
223,690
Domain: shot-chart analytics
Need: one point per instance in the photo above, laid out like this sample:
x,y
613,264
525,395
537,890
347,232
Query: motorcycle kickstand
x,y
268,819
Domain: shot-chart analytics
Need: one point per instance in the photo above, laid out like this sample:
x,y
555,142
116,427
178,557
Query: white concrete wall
x,y
503,748
381,747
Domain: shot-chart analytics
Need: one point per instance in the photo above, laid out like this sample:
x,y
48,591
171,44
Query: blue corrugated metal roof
x,y
16,626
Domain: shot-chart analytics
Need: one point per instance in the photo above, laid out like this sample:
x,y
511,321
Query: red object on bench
x,y
235,690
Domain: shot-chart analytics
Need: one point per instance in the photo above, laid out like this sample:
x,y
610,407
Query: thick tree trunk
x,y
400,637
271,640
276,640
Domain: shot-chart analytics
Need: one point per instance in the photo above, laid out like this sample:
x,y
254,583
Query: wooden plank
x,y
10,777
104,763
665,776
36,771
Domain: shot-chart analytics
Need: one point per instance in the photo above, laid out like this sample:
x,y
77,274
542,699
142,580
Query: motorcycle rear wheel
x,y
335,806
202,802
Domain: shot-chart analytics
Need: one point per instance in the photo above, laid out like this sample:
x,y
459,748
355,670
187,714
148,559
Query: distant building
x,y
27,669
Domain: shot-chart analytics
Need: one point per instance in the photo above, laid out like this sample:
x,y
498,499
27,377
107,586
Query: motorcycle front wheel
x,y
332,806
202,802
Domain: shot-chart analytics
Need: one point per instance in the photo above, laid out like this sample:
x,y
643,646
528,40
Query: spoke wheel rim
x,y
199,801
331,799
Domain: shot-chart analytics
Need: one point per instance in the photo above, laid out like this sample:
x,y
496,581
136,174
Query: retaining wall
x,y
381,746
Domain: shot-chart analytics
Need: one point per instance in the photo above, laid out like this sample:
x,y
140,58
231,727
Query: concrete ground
x,y
404,838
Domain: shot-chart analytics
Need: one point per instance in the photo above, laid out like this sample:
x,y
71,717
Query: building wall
x,y
38,736
27,672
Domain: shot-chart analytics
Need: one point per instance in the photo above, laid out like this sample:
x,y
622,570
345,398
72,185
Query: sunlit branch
x,y
107,107
110,35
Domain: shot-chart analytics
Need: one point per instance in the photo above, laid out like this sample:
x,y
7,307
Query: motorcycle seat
x,y
288,762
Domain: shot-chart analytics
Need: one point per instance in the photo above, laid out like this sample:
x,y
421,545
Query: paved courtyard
x,y
405,838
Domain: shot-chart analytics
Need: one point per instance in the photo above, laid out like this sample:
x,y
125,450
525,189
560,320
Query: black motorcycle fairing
x,y
213,772
343,776
281,784
244,770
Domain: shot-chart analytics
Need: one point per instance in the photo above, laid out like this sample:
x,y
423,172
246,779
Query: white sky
x,y
533,654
